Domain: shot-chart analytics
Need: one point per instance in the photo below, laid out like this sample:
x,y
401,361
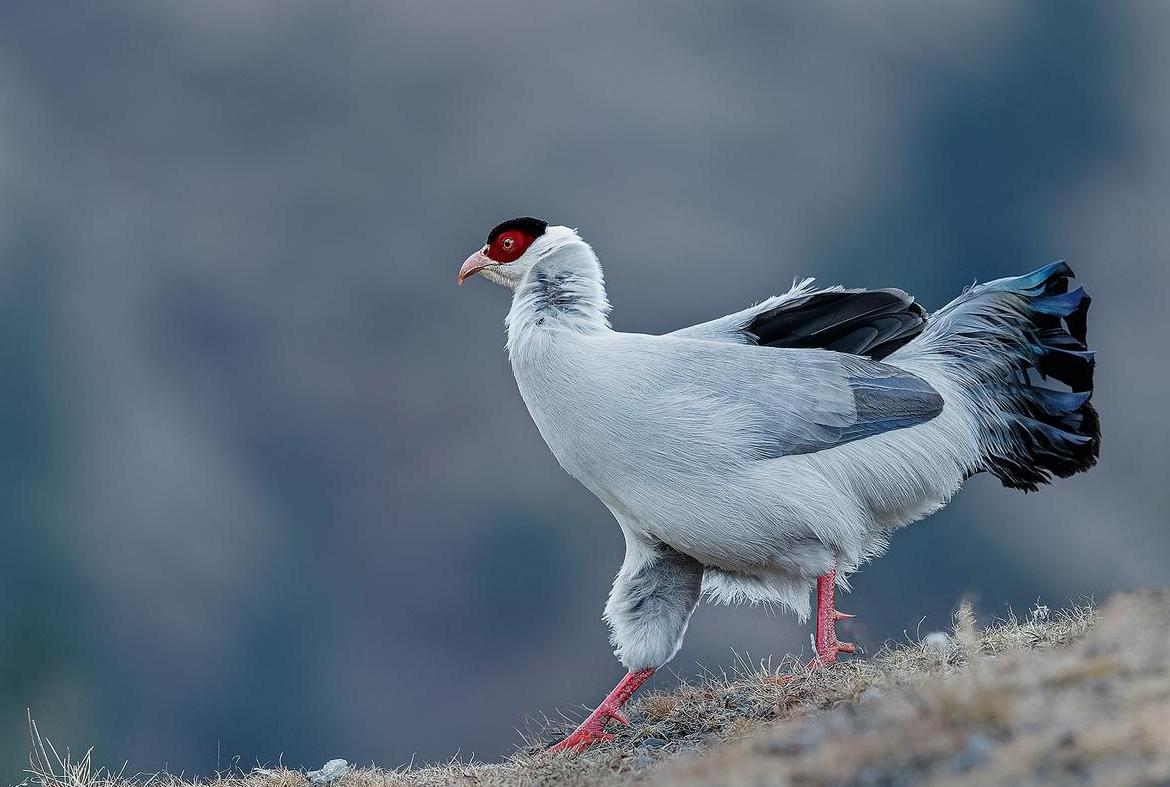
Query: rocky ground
x,y
1079,697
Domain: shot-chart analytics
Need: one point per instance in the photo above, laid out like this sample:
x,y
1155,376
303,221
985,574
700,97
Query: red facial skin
x,y
509,246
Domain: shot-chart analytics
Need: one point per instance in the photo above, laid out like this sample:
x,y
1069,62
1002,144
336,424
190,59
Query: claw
x,y
619,717
842,616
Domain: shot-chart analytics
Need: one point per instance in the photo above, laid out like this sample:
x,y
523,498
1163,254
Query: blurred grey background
x,y
268,488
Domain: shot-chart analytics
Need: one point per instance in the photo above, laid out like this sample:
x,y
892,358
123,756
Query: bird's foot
x,y
592,730
825,657
828,653
825,644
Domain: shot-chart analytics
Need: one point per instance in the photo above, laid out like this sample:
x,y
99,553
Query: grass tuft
x,y
1029,700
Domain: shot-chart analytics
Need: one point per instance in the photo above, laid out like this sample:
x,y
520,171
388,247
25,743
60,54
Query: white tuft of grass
x,y
938,643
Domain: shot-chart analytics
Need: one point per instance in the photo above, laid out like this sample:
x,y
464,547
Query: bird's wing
x,y
879,398
765,404
870,323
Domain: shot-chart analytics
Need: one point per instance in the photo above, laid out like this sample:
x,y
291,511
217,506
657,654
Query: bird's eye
x,y
509,246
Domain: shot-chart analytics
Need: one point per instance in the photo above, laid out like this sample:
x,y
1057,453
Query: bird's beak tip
x,y
473,265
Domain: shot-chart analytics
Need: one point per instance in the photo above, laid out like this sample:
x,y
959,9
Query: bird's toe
x,y
580,740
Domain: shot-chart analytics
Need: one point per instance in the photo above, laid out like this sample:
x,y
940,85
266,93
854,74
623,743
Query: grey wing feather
x,y
887,398
855,400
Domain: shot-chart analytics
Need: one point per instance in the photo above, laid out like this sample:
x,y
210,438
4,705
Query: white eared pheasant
x,y
753,456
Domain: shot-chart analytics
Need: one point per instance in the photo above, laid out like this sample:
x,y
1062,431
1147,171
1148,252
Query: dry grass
x,y
975,707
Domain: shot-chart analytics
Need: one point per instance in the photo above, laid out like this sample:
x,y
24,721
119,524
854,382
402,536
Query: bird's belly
x,y
757,517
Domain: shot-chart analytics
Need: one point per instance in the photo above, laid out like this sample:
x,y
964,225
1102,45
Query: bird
x,y
765,453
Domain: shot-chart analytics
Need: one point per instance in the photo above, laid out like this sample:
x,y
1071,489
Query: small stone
x,y
329,772
654,743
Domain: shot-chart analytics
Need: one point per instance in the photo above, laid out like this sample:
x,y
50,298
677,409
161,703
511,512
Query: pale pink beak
x,y
475,263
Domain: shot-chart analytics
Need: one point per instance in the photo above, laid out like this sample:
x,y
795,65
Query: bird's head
x,y
513,247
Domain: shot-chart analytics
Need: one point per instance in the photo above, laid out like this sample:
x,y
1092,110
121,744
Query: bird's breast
x,y
578,419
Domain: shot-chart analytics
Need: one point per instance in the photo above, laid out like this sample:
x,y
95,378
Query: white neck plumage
x,y
564,291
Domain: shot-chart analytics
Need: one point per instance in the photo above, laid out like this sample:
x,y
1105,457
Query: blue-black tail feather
x,y
1055,432
1034,372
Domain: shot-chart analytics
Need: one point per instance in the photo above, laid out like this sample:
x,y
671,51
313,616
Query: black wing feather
x,y
870,323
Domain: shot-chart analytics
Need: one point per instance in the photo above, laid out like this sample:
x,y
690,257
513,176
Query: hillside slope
x,y
1081,697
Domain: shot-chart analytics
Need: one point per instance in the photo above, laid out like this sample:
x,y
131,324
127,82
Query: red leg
x,y
826,641
592,730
